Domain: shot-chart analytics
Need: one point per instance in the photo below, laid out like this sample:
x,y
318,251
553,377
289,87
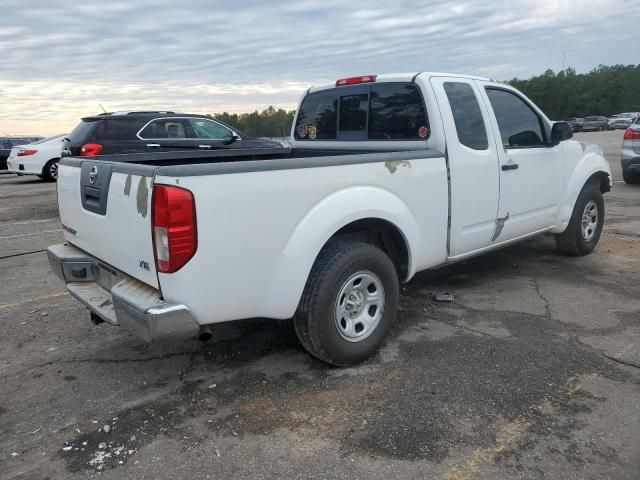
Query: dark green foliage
x,y
605,90
268,123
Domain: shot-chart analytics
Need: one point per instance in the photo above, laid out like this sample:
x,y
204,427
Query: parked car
x,y
38,158
623,121
366,198
576,124
139,132
630,154
7,143
595,123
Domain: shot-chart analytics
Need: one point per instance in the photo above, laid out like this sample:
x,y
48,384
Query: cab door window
x,y
168,128
520,126
209,130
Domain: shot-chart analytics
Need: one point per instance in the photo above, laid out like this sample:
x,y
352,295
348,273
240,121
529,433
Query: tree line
x,y
268,123
605,90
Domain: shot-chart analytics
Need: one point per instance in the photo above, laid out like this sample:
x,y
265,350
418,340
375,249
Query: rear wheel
x,y
349,303
50,170
630,177
585,227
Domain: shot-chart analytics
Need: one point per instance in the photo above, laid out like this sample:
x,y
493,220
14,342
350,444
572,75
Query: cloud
x,y
60,58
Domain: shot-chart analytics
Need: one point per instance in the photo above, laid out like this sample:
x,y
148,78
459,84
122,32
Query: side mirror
x,y
231,139
561,131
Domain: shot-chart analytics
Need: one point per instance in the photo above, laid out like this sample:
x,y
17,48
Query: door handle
x,y
207,147
510,166
153,145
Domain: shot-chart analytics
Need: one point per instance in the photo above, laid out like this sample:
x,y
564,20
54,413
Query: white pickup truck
x,y
388,175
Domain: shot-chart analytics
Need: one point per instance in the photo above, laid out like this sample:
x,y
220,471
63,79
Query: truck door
x,y
531,168
473,164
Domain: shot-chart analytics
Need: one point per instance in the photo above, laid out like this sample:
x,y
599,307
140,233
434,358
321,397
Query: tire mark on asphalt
x,y
32,300
30,234
23,253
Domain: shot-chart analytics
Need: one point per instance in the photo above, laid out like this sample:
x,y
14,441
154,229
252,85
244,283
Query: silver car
x,y
630,154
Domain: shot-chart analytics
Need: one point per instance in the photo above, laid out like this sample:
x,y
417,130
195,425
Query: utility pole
x,y
564,55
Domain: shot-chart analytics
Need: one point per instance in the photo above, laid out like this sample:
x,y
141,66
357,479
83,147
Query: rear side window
x,y
467,115
397,113
167,128
81,132
318,117
116,129
519,125
386,111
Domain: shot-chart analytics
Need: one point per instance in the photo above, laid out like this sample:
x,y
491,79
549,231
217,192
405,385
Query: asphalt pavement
x,y
532,372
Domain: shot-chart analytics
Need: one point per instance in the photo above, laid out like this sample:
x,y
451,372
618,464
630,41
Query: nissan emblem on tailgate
x,y
93,174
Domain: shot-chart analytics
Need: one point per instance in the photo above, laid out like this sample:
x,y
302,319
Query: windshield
x,y
591,119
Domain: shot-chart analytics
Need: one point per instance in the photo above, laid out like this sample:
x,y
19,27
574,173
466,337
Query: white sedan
x,y
38,158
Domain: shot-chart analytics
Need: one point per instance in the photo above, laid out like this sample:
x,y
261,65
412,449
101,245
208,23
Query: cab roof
x,y
400,77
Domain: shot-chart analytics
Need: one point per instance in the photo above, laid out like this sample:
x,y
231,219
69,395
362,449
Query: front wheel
x,y
585,226
349,303
50,170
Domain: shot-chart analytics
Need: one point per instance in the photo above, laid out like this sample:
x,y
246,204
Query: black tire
x,y
50,170
315,320
632,178
572,241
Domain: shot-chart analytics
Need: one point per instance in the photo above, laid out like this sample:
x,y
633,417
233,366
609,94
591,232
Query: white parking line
x,y
30,234
27,222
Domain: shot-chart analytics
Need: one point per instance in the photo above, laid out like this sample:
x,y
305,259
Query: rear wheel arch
x,y
383,234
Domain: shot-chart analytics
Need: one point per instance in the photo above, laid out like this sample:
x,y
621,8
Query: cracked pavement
x,y
532,372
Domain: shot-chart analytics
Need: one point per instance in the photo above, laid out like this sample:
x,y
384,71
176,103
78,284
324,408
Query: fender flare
x,y
591,163
314,230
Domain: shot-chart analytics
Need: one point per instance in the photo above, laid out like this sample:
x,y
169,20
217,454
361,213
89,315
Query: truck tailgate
x,y
107,214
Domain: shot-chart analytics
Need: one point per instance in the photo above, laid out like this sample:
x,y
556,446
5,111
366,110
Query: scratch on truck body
x,y
142,196
499,226
392,165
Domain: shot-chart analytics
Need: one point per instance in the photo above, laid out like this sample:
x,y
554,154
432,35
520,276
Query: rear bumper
x,y
118,298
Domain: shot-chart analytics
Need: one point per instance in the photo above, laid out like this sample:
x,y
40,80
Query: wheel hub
x,y
359,306
589,220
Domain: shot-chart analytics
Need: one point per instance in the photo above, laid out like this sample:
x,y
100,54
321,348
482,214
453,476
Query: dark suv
x,y
138,132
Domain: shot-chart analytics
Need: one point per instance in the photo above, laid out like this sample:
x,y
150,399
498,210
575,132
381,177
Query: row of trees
x,y
268,123
605,90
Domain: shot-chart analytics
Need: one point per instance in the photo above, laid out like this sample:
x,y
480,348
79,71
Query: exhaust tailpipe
x,y
205,333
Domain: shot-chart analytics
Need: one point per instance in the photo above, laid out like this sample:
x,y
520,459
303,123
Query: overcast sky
x,y
59,59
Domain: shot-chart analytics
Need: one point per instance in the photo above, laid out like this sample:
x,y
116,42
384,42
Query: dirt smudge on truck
x,y
393,165
127,185
142,197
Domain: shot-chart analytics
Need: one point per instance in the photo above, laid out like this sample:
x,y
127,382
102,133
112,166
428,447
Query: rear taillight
x,y
24,153
631,134
90,149
356,80
173,214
